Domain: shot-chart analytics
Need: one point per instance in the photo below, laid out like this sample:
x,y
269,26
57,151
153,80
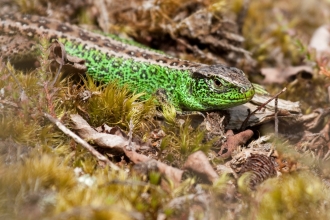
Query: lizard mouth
x,y
239,97
244,94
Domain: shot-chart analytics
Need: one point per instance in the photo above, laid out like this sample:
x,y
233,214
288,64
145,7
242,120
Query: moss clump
x,y
182,140
116,105
299,196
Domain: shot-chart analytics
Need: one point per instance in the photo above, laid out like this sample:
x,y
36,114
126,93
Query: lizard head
x,y
218,87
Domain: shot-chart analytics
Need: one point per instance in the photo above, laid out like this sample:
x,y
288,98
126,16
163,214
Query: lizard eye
x,y
217,83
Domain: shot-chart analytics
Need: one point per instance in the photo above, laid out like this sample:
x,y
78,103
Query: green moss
x,y
182,140
116,105
27,6
32,182
41,181
300,196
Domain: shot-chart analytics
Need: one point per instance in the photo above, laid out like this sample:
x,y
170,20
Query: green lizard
x,y
187,85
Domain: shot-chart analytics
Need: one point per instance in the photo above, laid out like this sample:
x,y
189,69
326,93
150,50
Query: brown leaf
x,y
172,173
199,164
320,41
59,55
281,75
114,142
233,142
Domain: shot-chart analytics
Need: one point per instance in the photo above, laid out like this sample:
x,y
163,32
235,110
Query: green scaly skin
x,y
188,86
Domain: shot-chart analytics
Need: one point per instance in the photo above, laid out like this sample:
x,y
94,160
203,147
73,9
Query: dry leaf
x,y
281,75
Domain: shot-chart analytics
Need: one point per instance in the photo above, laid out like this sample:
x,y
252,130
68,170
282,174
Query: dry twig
x,y
80,141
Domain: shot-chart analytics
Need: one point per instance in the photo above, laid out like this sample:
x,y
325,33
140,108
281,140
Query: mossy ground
x,y
45,174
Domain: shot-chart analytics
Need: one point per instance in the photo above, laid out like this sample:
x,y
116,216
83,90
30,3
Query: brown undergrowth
x,y
45,174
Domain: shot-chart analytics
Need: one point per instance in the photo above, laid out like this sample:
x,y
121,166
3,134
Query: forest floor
x,y
71,148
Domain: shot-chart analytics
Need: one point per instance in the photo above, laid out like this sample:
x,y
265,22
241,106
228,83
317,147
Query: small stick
x,y
82,142
276,118
23,96
14,77
130,136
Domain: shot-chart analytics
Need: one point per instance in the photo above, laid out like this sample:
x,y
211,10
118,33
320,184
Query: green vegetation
x,y
46,175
